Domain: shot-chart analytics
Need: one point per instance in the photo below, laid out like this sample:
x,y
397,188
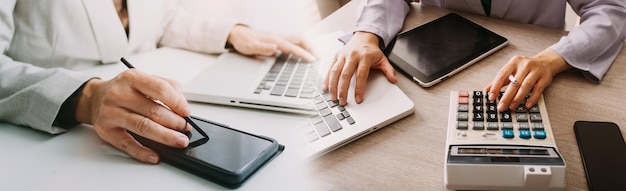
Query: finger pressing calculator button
x,y
524,134
539,134
508,134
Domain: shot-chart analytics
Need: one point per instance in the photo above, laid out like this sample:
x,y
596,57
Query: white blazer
x,y
37,37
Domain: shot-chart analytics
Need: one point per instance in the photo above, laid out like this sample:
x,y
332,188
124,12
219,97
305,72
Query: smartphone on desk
x,y
603,153
225,156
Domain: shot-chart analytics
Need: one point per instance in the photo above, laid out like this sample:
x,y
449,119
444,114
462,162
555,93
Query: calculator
x,y
491,150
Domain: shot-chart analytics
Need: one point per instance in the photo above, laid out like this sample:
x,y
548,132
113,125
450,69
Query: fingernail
x,y
182,141
501,107
358,99
153,159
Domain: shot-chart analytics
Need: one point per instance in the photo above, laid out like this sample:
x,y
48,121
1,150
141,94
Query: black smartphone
x,y
603,153
225,155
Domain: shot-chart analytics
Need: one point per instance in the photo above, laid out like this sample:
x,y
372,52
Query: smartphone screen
x,y
603,153
226,148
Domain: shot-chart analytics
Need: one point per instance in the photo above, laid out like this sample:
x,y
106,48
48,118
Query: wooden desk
x,y
409,154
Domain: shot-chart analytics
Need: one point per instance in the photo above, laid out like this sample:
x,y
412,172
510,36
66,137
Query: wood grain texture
x,y
409,154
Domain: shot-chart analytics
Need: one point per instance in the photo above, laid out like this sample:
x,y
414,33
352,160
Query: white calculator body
x,y
490,150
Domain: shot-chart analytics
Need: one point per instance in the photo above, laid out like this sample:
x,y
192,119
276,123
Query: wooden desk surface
x,y
409,154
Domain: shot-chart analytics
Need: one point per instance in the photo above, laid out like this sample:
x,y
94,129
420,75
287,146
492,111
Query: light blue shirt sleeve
x,y
593,46
383,18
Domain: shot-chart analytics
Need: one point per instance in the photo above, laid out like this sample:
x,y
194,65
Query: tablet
x,y
434,51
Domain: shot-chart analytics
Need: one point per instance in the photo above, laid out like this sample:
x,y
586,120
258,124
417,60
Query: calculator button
x,y
534,109
520,109
491,108
478,94
479,126
463,94
524,134
477,108
463,107
539,134
535,117
493,126
508,134
492,117
462,125
505,117
478,101
523,126
507,126
521,117
479,117
461,116
463,100
537,126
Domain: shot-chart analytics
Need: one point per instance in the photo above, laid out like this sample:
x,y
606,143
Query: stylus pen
x,y
187,118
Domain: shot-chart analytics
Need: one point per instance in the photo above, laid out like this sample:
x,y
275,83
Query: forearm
x,y
206,35
384,18
593,46
32,96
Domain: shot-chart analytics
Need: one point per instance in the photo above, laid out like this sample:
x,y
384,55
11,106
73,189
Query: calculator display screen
x,y
503,151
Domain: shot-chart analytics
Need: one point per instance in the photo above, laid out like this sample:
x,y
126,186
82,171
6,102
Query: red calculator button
x,y
463,94
463,100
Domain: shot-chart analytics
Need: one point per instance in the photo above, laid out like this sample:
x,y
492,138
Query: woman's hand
x,y
532,74
250,42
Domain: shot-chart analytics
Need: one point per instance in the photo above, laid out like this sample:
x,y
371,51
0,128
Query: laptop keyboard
x,y
291,77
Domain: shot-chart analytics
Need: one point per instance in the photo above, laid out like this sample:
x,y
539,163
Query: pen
x,y
512,79
187,118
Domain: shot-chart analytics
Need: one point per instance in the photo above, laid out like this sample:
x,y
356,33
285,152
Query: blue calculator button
x,y
508,133
524,134
540,134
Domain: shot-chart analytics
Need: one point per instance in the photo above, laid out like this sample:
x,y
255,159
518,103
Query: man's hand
x,y
127,103
356,58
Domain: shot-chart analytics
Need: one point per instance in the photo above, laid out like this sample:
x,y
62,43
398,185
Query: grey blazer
x,y
41,40
591,47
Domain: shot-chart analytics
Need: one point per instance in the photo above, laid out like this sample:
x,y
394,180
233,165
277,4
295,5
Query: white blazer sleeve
x,y
593,46
384,18
181,30
30,95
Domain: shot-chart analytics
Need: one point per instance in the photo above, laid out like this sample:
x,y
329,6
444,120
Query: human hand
x,y
359,55
125,103
250,42
534,74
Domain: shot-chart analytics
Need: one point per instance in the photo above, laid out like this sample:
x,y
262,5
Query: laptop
x,y
252,82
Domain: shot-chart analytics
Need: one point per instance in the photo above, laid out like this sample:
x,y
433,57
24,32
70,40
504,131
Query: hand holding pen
x,y
119,105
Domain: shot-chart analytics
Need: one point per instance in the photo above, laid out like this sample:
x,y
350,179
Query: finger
x,y
525,87
344,80
124,142
157,113
501,79
333,77
507,101
541,85
388,70
147,128
291,48
157,89
175,84
361,80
